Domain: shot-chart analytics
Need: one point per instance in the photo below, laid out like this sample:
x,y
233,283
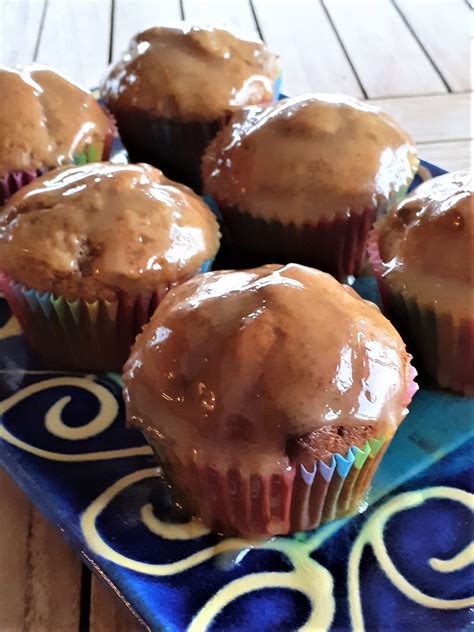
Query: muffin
x,y
45,122
175,87
423,257
269,396
303,179
87,253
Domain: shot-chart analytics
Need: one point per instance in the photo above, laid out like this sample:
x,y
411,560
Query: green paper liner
x,y
79,334
267,503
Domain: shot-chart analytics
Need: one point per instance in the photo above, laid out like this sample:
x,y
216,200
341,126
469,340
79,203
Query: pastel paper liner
x,y
80,334
259,504
12,182
336,246
443,346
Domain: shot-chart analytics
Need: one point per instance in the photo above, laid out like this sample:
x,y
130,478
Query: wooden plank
x,y
75,39
450,155
430,119
132,16
442,26
20,22
39,574
311,55
108,612
233,13
385,54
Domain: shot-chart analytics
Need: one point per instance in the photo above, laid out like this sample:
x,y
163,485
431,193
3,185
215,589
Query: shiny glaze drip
x,y
308,157
427,243
101,228
191,73
45,120
244,361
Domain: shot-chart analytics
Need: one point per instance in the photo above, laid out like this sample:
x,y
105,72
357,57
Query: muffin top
x,y
101,229
308,157
427,243
45,120
255,359
191,73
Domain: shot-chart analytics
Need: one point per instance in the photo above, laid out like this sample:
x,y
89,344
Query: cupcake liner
x,y
442,345
12,182
336,246
80,334
172,145
232,501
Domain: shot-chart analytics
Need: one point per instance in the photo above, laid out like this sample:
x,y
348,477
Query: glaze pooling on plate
x,y
376,571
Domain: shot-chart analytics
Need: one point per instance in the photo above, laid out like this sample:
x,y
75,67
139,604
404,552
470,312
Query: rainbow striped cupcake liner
x,y
80,334
256,504
442,345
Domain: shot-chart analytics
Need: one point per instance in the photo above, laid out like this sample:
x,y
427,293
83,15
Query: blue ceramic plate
x,y
404,564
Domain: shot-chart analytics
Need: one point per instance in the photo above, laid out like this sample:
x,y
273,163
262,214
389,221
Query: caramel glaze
x,y
427,244
237,367
101,229
45,120
308,157
190,73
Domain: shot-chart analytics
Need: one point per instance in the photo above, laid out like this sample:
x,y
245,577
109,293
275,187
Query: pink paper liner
x,y
14,181
79,334
336,246
266,503
443,347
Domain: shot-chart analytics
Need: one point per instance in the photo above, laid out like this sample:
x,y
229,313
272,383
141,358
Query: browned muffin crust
x,y
307,158
274,363
101,229
45,120
190,73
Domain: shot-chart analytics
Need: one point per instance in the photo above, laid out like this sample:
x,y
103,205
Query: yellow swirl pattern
x,y
372,534
10,328
108,410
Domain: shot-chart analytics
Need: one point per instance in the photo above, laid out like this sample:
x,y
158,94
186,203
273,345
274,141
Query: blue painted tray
x,y
404,564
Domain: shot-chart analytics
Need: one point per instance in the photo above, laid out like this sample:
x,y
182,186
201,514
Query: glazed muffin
x,y
269,396
303,180
87,253
423,257
175,87
45,122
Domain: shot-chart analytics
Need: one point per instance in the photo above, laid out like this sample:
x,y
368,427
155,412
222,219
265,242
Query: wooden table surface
x,y
409,56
